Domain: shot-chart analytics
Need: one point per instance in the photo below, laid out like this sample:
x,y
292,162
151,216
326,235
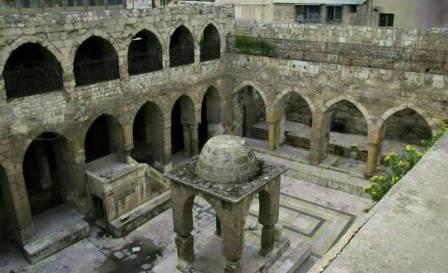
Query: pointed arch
x,y
32,69
181,47
210,116
183,120
329,104
144,53
210,44
96,60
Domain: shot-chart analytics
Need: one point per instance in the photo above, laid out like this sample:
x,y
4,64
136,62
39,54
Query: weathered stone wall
x,y
70,112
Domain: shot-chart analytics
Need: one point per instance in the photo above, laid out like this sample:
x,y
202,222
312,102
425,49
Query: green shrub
x,y
253,46
399,166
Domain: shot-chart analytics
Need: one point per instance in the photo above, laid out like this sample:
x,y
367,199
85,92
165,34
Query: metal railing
x,y
94,71
386,57
139,63
34,80
181,55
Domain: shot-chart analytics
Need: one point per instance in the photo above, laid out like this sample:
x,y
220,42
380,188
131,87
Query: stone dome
x,y
227,159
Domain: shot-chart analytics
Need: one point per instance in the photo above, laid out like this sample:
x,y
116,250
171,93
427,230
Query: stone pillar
x,y
323,14
375,137
268,215
128,143
320,134
18,206
218,227
273,119
233,237
191,142
167,146
43,168
182,205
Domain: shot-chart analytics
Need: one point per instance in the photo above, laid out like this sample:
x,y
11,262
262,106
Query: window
x,y
386,20
308,14
334,13
353,8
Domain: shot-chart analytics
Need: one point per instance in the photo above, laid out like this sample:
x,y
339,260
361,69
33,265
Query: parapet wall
x,y
398,49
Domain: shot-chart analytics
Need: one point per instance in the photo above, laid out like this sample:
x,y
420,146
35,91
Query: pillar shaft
x,y
376,137
233,237
268,214
43,168
320,134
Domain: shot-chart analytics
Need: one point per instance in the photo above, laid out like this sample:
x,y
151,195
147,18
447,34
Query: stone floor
x,y
308,212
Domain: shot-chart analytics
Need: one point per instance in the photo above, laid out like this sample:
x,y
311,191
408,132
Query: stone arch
x,y
183,127
350,99
148,135
211,124
410,130
249,110
145,53
255,86
95,60
296,110
32,69
181,46
401,107
210,43
7,51
280,98
104,136
49,172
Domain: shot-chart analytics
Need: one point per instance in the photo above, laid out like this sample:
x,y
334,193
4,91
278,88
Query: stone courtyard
x,y
308,213
175,138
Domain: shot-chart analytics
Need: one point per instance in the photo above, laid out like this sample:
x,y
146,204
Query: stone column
x,y
268,215
43,168
323,14
375,137
320,134
167,146
273,119
233,237
17,205
182,205
191,142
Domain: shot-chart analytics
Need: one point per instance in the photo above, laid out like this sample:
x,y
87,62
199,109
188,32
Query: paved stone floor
x,y
308,212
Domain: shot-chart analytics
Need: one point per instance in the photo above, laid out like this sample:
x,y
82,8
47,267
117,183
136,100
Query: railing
x,y
182,55
94,71
210,52
139,63
34,80
385,57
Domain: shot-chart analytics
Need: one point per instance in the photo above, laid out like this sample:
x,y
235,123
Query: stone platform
x,y
209,257
55,229
139,215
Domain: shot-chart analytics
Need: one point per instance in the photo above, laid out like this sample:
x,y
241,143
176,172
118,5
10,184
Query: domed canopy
x,y
227,159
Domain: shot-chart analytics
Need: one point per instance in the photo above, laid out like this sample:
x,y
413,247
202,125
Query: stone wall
x,y
70,112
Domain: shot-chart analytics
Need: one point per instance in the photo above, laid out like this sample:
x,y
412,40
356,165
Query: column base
x,y
267,240
185,249
232,267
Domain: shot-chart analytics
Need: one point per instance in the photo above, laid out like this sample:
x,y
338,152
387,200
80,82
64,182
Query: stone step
x,y
321,176
292,259
55,230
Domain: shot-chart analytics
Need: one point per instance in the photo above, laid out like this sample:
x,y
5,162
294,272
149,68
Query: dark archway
x,y
210,44
47,167
32,69
104,137
144,53
181,47
250,113
96,61
298,121
348,130
182,127
210,116
148,132
407,126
